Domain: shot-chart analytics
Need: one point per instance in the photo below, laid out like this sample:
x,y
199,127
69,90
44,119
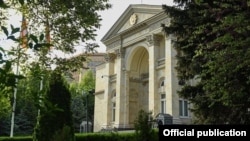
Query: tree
x,y
53,25
68,22
56,114
88,81
143,126
78,107
30,95
6,80
212,43
83,99
87,85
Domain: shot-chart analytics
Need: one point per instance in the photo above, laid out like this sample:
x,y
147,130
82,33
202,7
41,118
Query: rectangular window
x,y
113,111
163,103
183,108
185,112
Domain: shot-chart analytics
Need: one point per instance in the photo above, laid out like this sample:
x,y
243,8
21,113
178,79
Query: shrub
x,y
63,134
56,115
143,126
21,138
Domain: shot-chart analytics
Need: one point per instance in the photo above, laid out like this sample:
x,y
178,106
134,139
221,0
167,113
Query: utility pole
x,y
14,95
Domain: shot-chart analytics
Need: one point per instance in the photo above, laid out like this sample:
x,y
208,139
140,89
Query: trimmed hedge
x,y
21,138
89,137
105,137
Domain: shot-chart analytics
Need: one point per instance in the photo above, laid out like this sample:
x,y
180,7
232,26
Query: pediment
x,y
132,16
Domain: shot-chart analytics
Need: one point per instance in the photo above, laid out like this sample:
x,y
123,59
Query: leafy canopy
x,y
212,43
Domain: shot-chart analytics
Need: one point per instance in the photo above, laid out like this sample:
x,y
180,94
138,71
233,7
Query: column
x,y
154,43
121,90
109,57
170,75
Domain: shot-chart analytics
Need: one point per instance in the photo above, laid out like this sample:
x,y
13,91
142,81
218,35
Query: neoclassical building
x,y
139,72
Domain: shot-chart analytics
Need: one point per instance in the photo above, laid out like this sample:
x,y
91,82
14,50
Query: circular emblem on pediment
x,y
133,19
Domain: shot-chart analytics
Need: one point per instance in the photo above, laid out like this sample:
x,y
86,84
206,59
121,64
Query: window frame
x,y
183,108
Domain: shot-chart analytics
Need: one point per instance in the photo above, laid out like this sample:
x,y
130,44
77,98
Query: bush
x,y
89,137
21,138
55,112
105,137
63,134
143,127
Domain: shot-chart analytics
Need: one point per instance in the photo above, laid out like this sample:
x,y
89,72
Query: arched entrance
x,y
138,83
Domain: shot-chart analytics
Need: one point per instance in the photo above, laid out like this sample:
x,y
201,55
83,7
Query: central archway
x,y
138,82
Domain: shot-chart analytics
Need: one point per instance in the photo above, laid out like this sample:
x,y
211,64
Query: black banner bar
x,y
202,132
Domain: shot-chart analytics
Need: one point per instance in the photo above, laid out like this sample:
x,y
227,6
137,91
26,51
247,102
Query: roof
x,y
143,11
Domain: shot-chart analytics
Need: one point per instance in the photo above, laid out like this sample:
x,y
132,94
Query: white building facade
x,y
139,72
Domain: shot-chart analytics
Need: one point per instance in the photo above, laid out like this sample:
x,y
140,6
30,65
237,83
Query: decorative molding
x,y
159,24
144,76
99,92
161,62
120,53
133,19
114,44
153,40
134,79
112,78
110,57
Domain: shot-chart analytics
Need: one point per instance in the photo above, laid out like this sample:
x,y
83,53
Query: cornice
x,y
134,8
152,24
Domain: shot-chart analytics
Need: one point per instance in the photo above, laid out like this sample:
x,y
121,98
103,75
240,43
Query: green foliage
x,y
70,22
88,81
143,126
106,137
18,138
212,43
89,136
5,125
7,77
56,113
83,99
63,134
78,110
4,105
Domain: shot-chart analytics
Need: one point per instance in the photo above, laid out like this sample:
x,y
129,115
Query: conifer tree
x,y
56,115
212,43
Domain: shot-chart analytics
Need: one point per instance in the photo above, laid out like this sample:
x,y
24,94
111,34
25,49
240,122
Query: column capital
x,y
120,53
153,40
170,37
110,57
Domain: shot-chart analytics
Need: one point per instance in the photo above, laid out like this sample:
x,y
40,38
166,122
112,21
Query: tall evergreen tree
x,y
212,43
56,115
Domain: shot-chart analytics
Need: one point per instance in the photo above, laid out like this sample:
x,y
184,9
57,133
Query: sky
x,y
110,16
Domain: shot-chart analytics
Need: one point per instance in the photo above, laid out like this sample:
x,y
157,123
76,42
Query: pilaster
x,y
171,96
109,70
122,91
153,43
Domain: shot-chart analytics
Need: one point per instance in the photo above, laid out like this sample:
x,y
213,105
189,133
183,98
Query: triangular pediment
x,y
132,16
